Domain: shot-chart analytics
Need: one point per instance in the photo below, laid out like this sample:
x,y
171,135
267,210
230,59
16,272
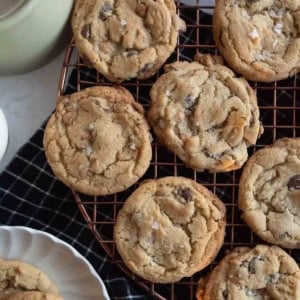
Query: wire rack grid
x,y
279,104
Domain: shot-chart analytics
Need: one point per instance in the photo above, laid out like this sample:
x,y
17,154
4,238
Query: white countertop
x,y
27,100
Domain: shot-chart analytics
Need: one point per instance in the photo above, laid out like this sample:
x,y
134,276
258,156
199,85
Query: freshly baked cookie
x,y
269,193
126,39
205,114
259,39
263,272
169,228
16,276
98,141
32,295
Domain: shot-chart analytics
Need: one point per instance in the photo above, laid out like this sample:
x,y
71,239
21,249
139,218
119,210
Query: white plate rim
x,y
63,244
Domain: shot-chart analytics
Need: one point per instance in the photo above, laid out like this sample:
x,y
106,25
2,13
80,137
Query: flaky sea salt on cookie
x,y
205,114
262,272
97,141
169,228
269,193
259,39
126,39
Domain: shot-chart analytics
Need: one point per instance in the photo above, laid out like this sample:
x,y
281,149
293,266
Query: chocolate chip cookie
x,y
259,39
29,295
97,141
126,39
269,193
169,228
205,114
264,272
17,276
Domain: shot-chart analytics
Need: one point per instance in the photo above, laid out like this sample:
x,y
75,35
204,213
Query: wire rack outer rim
x,y
149,287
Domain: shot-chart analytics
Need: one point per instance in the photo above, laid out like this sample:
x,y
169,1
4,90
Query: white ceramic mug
x,y
31,32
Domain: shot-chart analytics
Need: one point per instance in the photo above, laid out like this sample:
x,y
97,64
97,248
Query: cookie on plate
x,y
262,272
169,228
269,193
32,295
97,141
259,39
205,114
16,276
126,39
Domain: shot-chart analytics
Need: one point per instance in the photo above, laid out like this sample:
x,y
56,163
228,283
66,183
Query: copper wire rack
x,y
279,104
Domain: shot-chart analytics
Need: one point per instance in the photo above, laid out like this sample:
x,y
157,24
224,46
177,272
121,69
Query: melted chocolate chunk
x,y
86,31
106,11
225,294
189,104
146,68
252,264
294,183
132,52
185,193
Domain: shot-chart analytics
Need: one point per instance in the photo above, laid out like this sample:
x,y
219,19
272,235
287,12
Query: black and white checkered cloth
x,y
31,196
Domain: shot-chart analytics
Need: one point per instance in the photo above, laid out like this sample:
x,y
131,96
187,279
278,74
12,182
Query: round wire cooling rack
x,y
279,104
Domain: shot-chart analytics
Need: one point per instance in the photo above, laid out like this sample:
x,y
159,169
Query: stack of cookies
x,y
98,141
22,281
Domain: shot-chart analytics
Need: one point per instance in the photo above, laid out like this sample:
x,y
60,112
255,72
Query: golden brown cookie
x,y
97,141
205,114
269,193
169,228
259,39
126,39
16,276
31,295
264,272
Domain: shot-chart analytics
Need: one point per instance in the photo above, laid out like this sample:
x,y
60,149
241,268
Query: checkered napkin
x,y
31,196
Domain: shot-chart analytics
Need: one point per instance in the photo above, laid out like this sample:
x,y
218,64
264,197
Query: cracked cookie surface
x,y
205,114
17,276
269,193
169,228
124,39
31,295
262,272
98,141
259,39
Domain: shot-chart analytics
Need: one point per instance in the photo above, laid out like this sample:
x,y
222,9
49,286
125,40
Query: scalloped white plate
x,y
73,275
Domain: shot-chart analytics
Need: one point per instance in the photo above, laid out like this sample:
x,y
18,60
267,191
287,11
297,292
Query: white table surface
x,y
27,100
